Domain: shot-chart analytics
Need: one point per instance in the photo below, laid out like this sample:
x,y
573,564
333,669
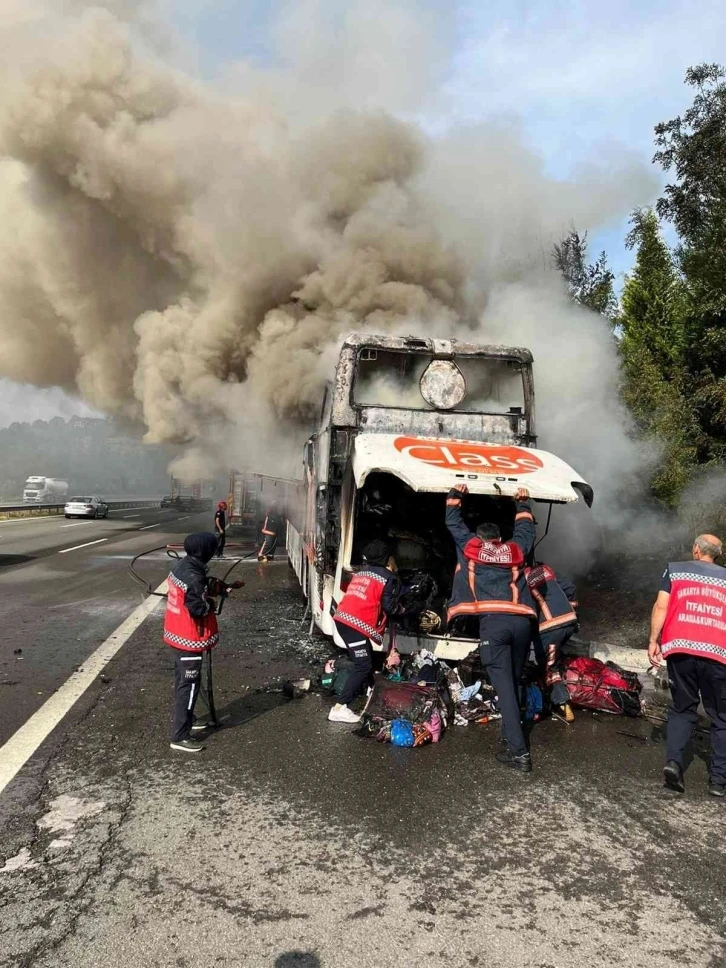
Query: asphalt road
x,y
64,587
292,843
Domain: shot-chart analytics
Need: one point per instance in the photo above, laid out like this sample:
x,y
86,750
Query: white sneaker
x,y
341,714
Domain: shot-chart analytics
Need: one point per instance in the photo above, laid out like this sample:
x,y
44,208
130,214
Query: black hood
x,y
201,544
376,552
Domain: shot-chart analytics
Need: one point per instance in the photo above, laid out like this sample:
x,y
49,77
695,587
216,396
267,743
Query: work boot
x,y
522,763
341,714
716,789
673,777
186,746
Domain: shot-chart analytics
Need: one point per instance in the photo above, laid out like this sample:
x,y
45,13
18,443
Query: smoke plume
x,y
188,255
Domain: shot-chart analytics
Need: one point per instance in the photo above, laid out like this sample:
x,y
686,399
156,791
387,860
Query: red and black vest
x,y
696,619
181,629
361,607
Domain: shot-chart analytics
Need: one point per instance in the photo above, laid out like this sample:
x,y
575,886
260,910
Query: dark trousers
x,y
547,646
268,546
690,677
361,652
187,683
504,647
221,541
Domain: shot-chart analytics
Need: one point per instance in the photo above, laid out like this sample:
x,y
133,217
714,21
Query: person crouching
x,y
360,620
190,628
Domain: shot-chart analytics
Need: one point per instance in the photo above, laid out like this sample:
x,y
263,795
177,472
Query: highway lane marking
x,y
131,516
152,507
75,524
23,743
86,545
158,525
50,518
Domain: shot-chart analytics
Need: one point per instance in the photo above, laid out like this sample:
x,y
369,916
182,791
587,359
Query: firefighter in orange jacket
x,y
489,583
190,628
555,598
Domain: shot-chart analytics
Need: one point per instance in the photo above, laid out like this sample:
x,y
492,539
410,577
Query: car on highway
x,y
86,507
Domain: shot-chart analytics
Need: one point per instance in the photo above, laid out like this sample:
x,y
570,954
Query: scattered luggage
x,y
425,707
601,686
336,673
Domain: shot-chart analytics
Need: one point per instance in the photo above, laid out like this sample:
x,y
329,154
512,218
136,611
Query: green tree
x,y
589,284
651,326
693,147
653,302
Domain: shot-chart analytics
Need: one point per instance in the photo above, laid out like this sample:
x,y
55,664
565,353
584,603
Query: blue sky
x,y
586,78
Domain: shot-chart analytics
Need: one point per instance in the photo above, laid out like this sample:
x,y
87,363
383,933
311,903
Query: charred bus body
x,y
405,420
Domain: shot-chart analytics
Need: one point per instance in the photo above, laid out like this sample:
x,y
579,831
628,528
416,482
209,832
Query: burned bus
x,y
405,420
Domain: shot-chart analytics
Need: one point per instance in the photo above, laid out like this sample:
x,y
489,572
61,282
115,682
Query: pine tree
x,y
651,324
694,148
589,284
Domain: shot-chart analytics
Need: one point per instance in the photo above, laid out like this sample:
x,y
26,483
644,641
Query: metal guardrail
x,y
28,510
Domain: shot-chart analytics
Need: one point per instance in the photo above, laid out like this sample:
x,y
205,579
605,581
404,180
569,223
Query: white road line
x,y
131,516
75,524
151,526
86,545
151,507
22,744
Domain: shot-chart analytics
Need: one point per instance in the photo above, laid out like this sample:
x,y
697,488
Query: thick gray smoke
x,y
188,257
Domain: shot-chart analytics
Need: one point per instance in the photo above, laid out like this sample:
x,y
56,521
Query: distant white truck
x,y
45,490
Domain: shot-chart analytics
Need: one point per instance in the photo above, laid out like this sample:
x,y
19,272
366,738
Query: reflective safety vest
x,y
696,619
182,630
361,607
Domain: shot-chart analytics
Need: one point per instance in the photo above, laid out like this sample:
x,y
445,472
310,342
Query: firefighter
x,y
688,630
220,526
555,598
268,534
190,628
361,618
490,583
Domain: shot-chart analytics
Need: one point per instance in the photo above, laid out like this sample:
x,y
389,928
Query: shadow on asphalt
x,y
6,560
249,707
297,959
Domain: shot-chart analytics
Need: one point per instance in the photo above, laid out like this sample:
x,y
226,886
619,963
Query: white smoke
x,y
189,255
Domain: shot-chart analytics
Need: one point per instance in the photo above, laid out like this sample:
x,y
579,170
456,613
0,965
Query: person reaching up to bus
x,y
269,533
490,583
361,619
